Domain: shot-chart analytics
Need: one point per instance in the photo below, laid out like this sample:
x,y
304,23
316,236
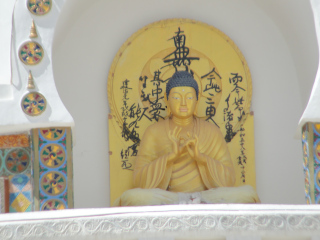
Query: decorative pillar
x,y
15,169
311,161
53,173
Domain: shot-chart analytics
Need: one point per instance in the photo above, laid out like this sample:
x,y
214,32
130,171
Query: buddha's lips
x,y
183,109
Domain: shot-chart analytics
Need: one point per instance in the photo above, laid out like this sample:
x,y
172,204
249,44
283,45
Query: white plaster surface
x,y
311,112
277,39
12,117
5,40
6,22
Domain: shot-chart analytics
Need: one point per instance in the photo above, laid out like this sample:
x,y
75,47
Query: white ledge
x,y
176,221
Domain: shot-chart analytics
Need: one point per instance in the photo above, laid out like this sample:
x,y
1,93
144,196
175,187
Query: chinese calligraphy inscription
x,y
137,86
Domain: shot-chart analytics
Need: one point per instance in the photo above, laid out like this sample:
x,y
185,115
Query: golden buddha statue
x,y
184,159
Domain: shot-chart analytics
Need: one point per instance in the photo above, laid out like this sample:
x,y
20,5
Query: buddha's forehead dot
x,y
182,89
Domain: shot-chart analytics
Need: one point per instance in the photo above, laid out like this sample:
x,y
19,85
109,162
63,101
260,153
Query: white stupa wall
x,y
312,111
13,118
277,39
6,23
5,46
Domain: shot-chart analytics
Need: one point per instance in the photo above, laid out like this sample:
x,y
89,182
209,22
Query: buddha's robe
x,y
185,174
158,182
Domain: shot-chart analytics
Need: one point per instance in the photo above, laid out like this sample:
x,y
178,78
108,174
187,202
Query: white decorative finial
x,y
30,81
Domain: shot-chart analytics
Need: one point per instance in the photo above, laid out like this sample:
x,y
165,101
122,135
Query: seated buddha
x,y
184,159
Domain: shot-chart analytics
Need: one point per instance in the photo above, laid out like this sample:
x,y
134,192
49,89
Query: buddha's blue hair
x,y
182,79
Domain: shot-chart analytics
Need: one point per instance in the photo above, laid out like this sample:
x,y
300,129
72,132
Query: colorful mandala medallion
x,y
308,199
317,128
305,154
17,160
33,104
317,151
53,183
317,178
52,155
307,182
39,7
305,161
305,132
52,134
31,53
53,204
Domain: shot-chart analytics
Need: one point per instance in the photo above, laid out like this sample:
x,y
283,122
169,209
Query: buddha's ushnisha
x,y
184,159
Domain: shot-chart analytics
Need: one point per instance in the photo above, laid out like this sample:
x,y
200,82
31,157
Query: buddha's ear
x,y
167,107
169,113
196,109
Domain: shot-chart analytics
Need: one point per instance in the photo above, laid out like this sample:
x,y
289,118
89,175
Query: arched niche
x,y
88,36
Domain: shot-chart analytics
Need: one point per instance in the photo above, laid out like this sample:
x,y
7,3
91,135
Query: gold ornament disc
x,y
39,7
31,53
33,104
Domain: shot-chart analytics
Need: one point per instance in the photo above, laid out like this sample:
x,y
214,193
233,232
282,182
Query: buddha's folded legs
x,y
156,196
242,194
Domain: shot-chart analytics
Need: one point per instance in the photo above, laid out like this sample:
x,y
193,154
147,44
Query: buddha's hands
x,y
192,146
178,147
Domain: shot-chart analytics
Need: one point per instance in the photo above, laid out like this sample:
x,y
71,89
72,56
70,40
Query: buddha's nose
x,y
183,101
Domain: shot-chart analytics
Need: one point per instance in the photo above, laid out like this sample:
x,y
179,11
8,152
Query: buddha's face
x,y
182,101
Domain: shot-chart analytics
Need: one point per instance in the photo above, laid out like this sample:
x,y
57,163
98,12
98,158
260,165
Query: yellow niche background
x,y
136,86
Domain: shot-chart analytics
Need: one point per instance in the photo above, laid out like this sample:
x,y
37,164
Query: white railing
x,y
233,221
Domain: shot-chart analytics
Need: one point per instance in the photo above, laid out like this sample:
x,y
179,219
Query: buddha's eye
x,y
176,98
189,97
